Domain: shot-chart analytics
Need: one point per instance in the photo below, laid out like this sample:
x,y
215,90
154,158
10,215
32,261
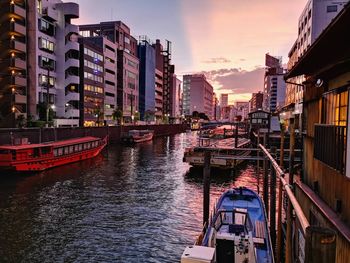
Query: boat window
x,y
36,152
66,150
60,151
71,149
80,147
76,148
14,155
55,152
45,150
4,151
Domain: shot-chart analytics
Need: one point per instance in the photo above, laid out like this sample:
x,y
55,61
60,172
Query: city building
x,y
313,20
224,100
159,80
175,98
91,83
216,107
323,189
127,63
242,109
197,95
257,101
315,17
109,52
40,62
147,83
274,84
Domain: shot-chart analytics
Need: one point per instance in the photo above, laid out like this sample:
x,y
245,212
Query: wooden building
x,y
324,187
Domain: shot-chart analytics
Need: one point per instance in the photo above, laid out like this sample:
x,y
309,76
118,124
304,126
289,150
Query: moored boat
x,y
135,136
42,156
237,232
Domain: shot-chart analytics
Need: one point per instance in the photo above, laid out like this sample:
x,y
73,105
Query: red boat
x,y
38,157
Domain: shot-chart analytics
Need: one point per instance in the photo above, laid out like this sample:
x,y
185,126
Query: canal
x,y
130,204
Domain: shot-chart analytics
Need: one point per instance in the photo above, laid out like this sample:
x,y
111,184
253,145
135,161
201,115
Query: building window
x,y
332,8
93,54
46,44
46,27
334,108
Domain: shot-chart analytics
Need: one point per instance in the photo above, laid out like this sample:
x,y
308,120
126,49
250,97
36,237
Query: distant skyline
x,y
227,39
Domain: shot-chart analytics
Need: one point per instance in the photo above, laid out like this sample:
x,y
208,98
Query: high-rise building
x,y
257,101
175,94
164,66
147,83
159,79
127,63
40,61
224,100
92,91
274,84
197,95
315,17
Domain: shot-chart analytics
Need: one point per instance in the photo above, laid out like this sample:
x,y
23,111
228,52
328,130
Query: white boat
x,y
135,136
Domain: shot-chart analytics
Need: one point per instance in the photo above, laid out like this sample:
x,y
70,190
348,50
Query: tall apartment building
x,y
91,83
127,63
40,60
147,84
257,101
224,100
274,84
315,17
197,95
159,79
109,53
175,95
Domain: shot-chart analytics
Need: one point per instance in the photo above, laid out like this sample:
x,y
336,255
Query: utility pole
x,y
47,95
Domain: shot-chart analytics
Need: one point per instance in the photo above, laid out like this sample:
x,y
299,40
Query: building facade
x,y
274,84
175,97
197,95
147,84
323,189
257,101
127,63
224,100
92,93
42,54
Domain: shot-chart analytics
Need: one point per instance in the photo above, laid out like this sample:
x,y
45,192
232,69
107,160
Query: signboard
x,y
264,130
260,115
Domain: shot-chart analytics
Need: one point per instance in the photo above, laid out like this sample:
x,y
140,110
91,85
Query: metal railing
x,y
330,145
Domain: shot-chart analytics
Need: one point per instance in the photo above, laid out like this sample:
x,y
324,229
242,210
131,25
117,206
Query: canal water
x,y
130,204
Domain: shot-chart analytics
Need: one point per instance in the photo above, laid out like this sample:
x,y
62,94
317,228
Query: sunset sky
x,y
225,39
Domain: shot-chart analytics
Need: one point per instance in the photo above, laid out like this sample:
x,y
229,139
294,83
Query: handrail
x,y
288,188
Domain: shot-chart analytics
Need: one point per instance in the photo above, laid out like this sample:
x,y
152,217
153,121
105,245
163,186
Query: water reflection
x,y
131,204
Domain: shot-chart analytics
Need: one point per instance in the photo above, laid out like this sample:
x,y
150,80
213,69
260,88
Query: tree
x,y
149,116
117,115
98,114
21,121
203,116
136,116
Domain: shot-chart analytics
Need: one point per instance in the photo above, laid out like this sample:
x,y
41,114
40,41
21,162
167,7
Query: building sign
x,y
271,61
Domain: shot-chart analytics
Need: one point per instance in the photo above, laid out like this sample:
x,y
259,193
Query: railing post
x,y
206,186
289,253
266,180
273,202
279,215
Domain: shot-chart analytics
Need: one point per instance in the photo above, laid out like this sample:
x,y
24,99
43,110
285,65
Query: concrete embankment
x,y
37,135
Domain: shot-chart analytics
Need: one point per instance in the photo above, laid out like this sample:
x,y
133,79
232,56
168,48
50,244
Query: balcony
x,y
19,29
18,63
71,46
159,97
110,77
18,11
72,96
20,99
72,62
19,46
71,79
72,113
70,10
71,29
109,65
330,145
20,81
